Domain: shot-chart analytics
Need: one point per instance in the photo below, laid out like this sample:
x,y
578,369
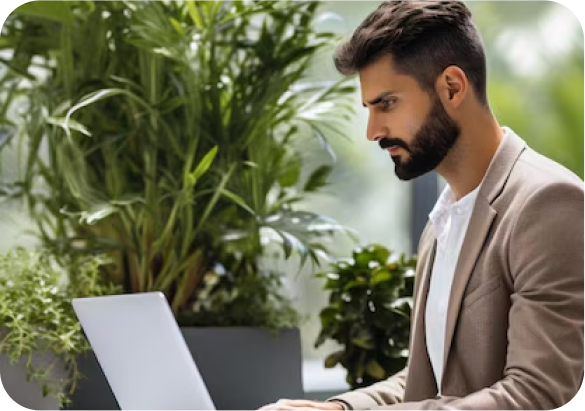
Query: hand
x,y
300,405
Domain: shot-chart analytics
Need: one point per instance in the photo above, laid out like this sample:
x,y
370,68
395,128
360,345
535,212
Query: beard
x,y
430,145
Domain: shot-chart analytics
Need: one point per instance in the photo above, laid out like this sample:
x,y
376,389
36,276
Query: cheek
x,y
410,122
412,126
404,125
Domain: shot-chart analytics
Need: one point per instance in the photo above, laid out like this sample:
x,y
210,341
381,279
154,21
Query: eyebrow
x,y
378,99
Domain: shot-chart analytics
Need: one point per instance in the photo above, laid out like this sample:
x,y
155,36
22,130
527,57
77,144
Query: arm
x,y
390,391
544,365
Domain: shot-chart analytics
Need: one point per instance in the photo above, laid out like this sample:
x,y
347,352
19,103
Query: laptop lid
x,y
142,352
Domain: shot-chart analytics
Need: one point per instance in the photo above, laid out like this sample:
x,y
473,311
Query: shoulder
x,y
536,181
547,213
541,206
537,172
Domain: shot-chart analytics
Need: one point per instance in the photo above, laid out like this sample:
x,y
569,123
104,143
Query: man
x,y
498,315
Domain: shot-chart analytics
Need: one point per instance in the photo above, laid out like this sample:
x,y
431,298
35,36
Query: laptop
x,y
142,352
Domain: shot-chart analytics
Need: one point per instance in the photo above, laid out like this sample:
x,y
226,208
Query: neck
x,y
467,162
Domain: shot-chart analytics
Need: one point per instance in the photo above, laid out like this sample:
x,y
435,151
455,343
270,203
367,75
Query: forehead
x,y
381,77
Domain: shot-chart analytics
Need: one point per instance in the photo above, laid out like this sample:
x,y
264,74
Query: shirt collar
x,y
446,202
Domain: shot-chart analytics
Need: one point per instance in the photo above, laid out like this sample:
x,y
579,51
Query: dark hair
x,y
423,38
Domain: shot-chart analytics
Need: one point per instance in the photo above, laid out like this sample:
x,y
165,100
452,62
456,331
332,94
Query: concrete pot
x,y
29,393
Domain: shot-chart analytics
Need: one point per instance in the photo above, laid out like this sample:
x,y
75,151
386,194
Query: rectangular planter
x,y
243,368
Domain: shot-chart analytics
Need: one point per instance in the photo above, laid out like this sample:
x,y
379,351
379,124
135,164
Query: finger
x,y
279,407
313,405
268,407
302,403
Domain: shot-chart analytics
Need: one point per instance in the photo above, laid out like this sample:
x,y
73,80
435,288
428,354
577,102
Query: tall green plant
x,y
163,133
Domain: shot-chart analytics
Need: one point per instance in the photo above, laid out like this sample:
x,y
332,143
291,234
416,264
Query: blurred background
x,y
535,67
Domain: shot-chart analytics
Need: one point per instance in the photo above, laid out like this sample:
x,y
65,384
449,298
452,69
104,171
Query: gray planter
x,y
29,393
243,368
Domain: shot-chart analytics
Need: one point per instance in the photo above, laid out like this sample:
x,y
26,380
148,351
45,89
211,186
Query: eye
x,y
387,103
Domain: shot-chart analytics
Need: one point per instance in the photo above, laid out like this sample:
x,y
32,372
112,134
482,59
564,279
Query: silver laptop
x,y
142,352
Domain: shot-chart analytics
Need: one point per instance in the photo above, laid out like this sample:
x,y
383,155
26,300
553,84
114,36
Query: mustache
x,y
386,142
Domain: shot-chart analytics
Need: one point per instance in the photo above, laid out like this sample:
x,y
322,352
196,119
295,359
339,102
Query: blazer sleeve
x,y
390,391
544,363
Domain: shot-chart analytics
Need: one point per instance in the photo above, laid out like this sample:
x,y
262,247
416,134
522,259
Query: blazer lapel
x,y
421,298
479,225
421,383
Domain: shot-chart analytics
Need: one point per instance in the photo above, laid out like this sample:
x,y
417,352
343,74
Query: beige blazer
x,y
514,337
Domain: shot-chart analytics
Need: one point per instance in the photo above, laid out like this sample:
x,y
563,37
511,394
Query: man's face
x,y
406,121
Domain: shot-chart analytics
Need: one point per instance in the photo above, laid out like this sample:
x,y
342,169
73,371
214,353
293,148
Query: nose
x,y
375,131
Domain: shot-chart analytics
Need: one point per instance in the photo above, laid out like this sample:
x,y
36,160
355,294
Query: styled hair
x,y
423,38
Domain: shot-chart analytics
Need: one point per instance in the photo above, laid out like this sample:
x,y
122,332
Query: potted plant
x,y
40,337
368,313
170,135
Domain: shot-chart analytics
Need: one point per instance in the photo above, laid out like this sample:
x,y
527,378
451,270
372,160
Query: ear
x,y
452,86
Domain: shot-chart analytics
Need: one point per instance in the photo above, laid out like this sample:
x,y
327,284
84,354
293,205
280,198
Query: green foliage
x,y
37,316
255,300
558,132
164,134
368,314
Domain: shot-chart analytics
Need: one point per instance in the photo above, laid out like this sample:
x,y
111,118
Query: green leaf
x,y
290,243
216,7
291,174
96,96
381,276
357,283
95,214
16,69
331,284
318,178
374,369
195,15
177,26
203,165
238,200
379,252
6,42
327,315
399,303
372,254
59,11
68,124
333,359
364,339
